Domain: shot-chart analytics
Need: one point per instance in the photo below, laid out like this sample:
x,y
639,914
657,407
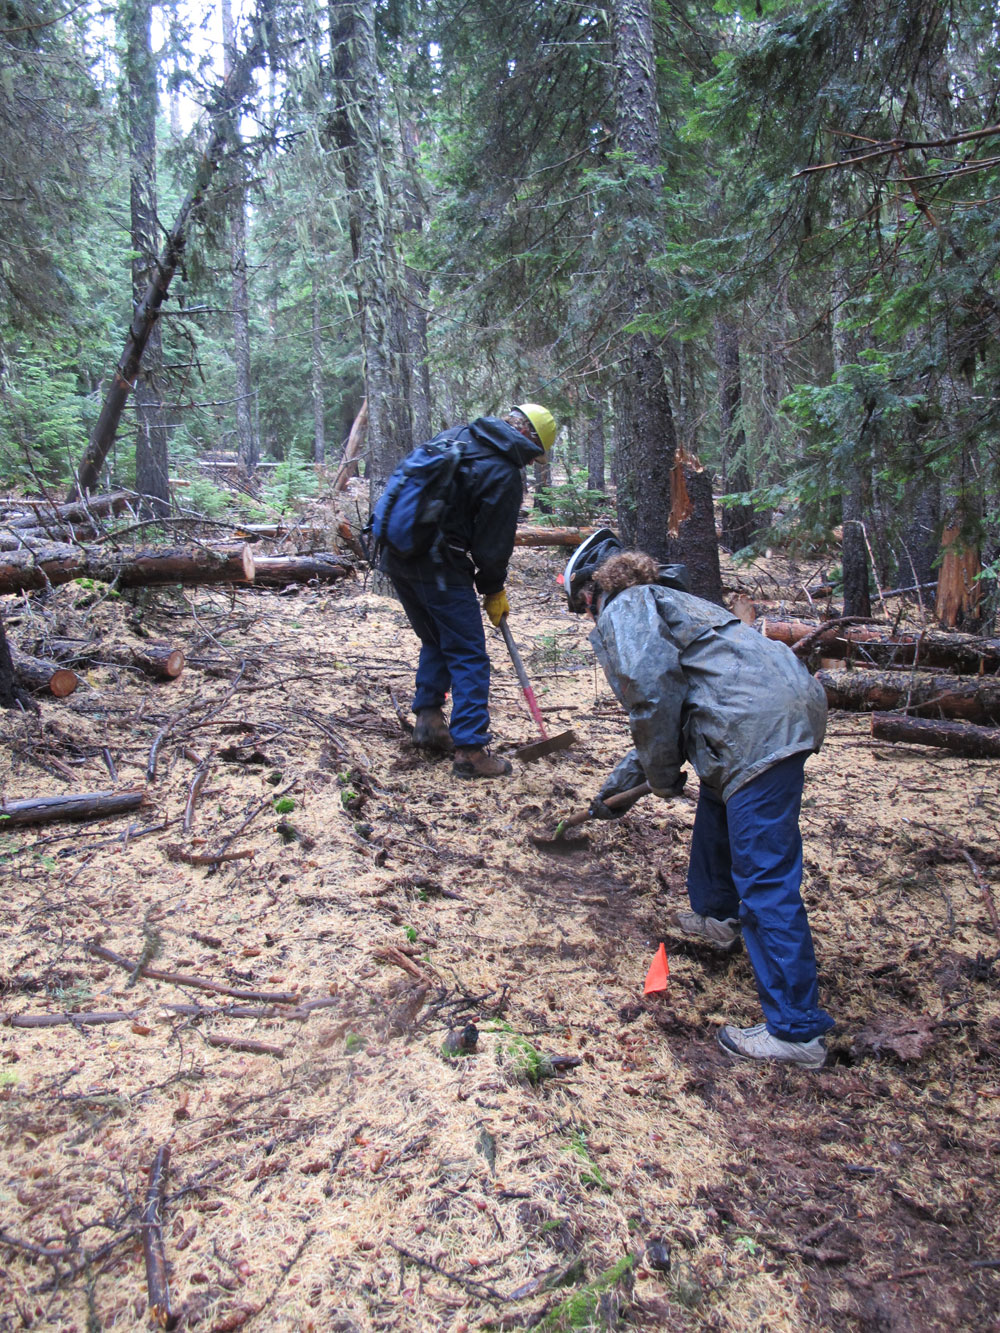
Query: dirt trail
x,y
365,1180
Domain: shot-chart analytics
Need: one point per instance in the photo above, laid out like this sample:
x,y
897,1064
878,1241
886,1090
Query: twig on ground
x,y
152,1242
177,979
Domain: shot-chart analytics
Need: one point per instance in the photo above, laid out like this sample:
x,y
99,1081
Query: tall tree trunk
x,y
739,521
247,446
645,441
595,449
318,404
356,128
854,545
151,465
232,94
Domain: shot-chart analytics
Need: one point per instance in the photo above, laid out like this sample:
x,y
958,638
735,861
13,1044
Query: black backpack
x,y
407,519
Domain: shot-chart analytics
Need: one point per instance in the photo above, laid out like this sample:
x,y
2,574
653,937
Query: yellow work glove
x,y
496,606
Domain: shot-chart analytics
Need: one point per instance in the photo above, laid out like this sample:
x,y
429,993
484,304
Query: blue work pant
x,y
453,655
746,862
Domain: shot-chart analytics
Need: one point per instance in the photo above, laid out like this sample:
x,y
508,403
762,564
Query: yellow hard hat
x,y
542,420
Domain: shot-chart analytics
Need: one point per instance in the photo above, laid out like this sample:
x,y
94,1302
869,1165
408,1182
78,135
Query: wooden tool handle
x,y
620,798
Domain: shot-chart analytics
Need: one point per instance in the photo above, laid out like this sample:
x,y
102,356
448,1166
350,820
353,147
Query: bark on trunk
x,y
247,447
974,699
739,521
959,737
22,572
595,451
356,126
318,405
151,467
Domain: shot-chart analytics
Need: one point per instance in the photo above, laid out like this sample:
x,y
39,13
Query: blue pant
x,y
746,861
453,655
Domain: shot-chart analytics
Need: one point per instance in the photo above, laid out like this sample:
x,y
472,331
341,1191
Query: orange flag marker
x,y
659,971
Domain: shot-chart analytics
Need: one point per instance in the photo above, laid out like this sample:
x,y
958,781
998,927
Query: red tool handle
x,y
522,676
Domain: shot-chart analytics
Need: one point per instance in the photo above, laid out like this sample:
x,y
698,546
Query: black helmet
x,y
587,558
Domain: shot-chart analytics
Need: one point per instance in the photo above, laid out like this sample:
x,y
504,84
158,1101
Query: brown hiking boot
x,y
431,731
479,763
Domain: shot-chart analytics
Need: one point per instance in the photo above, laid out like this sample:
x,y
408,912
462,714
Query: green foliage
x,y
590,1173
571,503
292,480
42,433
583,1309
283,805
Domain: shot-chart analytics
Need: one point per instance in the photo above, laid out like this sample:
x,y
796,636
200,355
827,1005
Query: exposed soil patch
x,y
331,1167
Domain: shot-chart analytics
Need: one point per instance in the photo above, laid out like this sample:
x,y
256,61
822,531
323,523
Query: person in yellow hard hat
x,y
470,553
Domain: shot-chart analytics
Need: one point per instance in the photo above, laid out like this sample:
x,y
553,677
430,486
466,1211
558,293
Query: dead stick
x,y
244,1044
984,889
152,1241
476,1288
391,955
175,853
196,786
177,979
57,1020
805,646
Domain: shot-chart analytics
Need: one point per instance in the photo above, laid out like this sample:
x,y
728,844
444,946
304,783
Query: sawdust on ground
x,y
355,1176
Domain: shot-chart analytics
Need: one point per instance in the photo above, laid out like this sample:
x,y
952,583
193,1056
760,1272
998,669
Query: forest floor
x,y
348,1174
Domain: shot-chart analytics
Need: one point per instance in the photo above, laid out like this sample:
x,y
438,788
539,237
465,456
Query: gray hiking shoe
x,y
722,935
431,732
757,1043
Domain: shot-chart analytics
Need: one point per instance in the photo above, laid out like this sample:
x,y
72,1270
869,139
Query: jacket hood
x,y
504,439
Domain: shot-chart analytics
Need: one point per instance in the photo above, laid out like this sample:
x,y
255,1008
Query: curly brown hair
x,y
627,570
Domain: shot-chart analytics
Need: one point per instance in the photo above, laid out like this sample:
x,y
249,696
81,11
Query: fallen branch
x,y
197,983
972,698
244,1044
58,1020
174,852
388,954
197,782
83,805
983,887
152,1242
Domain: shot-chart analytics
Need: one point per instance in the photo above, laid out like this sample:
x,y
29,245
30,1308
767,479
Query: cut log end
x,y
63,682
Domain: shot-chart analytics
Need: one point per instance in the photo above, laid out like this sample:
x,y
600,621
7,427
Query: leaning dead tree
x,y
235,89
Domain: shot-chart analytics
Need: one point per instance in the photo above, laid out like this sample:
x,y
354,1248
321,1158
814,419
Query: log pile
x,y
927,688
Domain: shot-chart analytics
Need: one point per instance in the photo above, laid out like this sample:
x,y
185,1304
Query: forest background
x,y
758,239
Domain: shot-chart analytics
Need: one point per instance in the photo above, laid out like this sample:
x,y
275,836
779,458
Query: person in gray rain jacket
x,y
700,687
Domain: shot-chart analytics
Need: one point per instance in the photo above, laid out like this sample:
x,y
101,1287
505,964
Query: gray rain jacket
x,y
699,685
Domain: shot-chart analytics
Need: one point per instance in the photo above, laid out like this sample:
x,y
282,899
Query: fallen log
x,y
962,738
931,648
45,512
23,571
972,698
551,536
38,676
274,571
161,661
58,1020
83,805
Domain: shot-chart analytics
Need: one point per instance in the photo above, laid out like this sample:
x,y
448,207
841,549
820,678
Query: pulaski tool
x,y
558,842
548,744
